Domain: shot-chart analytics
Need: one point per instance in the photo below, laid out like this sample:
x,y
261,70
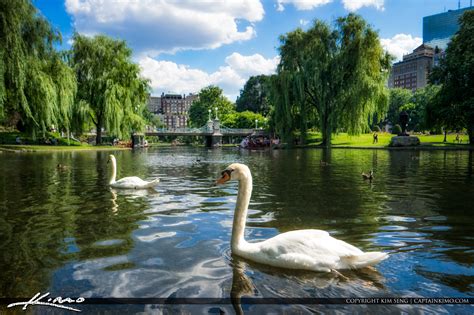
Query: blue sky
x,y
184,45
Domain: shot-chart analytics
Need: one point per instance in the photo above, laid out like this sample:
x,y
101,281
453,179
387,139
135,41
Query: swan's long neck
x,y
241,207
114,170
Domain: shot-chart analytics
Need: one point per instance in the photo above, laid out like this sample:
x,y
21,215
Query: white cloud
x,y
301,5
167,76
400,44
152,26
303,22
247,66
354,5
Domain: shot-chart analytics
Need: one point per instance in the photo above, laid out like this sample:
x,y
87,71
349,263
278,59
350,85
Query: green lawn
x,y
8,143
27,139
366,140
36,148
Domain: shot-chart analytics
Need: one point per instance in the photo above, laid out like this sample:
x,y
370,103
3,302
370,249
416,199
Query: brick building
x,y
173,109
413,71
154,104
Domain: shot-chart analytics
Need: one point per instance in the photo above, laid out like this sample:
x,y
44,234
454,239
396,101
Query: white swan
x,y
128,182
303,249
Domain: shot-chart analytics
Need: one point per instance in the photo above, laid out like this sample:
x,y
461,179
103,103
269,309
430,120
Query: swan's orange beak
x,y
225,177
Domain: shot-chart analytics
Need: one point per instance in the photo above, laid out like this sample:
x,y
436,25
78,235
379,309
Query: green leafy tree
x,y
415,104
397,99
339,73
152,119
37,87
440,116
244,119
255,95
111,93
422,98
285,118
456,74
396,130
210,97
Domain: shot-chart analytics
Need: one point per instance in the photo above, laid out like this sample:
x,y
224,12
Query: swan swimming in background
x,y
312,250
128,182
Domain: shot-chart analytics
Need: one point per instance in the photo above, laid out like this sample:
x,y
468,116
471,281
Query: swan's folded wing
x,y
291,242
132,181
312,243
297,250
301,261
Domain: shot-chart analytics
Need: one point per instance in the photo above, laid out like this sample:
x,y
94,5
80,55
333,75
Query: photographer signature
x,y
56,302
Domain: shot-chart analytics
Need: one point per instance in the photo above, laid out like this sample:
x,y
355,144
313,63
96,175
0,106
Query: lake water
x,y
66,232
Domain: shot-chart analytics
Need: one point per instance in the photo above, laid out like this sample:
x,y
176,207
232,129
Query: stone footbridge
x,y
212,132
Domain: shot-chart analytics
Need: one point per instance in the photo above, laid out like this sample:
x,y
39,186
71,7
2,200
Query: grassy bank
x,y
341,140
51,141
26,139
54,148
366,140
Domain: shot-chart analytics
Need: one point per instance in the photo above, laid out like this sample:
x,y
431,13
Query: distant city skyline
x,y
183,46
439,28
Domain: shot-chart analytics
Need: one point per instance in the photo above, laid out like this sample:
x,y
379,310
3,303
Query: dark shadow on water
x,y
243,286
135,192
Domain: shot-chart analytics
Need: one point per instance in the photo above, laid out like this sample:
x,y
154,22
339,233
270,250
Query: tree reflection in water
x,y
67,232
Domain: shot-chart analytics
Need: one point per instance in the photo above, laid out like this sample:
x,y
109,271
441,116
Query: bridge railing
x,y
237,130
181,130
202,130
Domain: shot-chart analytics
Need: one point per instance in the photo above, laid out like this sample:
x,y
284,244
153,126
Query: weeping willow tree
x,y
37,87
330,78
111,94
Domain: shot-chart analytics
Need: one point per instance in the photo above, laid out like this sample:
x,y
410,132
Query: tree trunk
x,y
98,126
133,140
303,135
288,138
470,131
303,126
326,132
98,137
445,134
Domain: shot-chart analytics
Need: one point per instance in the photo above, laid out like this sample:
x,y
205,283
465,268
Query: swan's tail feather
x,y
365,259
153,183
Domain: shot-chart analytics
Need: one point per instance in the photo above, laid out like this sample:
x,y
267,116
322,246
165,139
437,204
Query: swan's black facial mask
x,y
226,175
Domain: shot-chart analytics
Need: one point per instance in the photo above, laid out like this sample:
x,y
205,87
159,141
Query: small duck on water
x,y
62,167
369,176
322,163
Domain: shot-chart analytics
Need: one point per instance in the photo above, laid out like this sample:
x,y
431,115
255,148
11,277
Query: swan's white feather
x,y
302,249
133,182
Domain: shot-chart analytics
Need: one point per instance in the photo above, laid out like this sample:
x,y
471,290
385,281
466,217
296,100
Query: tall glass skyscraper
x,y
439,28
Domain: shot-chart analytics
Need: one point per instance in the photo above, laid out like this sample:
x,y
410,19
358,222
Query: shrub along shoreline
x,y
339,141
55,148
